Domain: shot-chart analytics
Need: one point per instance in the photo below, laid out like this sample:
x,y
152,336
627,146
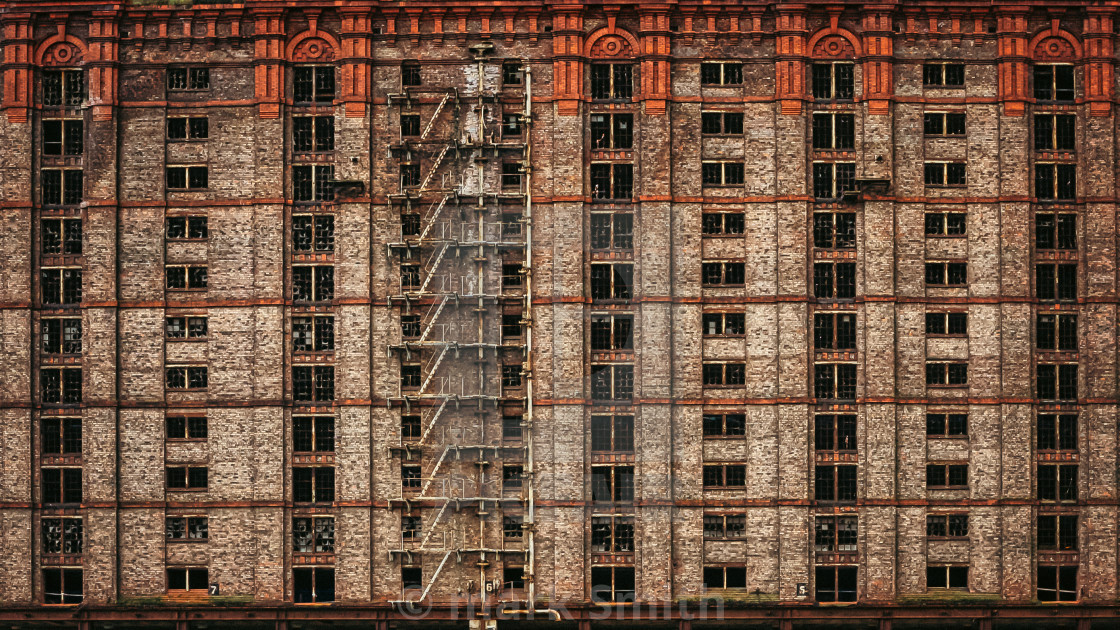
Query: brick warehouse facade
x,y
405,313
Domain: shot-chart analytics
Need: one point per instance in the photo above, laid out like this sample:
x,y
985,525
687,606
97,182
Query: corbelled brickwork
x,y
385,312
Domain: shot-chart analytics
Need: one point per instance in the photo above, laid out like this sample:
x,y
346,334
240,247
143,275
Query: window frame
x,y
67,144
318,539
943,476
732,173
840,383
730,123
946,424
315,98
311,485
620,383
312,183
837,184
68,94
317,333
954,127
614,92
318,576
942,75
192,132
317,283
195,78
190,478
65,341
619,333
834,139
190,176
936,174
319,381
845,93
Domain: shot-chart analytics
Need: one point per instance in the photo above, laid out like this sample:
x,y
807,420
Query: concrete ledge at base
x,y
949,598
162,600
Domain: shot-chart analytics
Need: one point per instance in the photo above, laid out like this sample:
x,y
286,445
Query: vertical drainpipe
x,y
527,121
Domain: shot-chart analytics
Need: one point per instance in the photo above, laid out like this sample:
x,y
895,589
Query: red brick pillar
x,y
1013,66
17,66
1099,65
790,63
878,48
268,50
356,51
655,59
567,63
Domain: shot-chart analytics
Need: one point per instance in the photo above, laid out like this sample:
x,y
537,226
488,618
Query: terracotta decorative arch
x,y
312,47
60,50
834,43
1054,44
609,42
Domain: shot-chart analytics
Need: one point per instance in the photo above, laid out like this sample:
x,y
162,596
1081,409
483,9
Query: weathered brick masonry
x,y
407,312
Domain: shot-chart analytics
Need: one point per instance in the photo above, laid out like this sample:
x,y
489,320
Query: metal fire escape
x,y
455,307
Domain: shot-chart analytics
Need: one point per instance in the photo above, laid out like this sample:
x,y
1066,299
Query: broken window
x,y
946,424
951,374
834,230
1057,532
187,178
511,175
62,137
186,327
1057,482
187,228
62,535
184,128
835,483
411,428
724,424
62,336
61,435
188,79
62,586
187,528
1055,132
721,526
313,383
1053,82
611,281
188,579
943,123
511,376
1056,281
187,478
946,475
1057,583
313,434
63,88
314,84
724,577
512,477
724,223
1056,381
410,477
61,485
834,331
312,283
834,131
612,484
943,74
721,123
1055,331
410,175
946,274
612,584
61,236
612,382
1057,432
612,81
834,381
313,334
512,427
313,535
612,332
313,183
60,386
1055,182
612,534
723,324
832,179
723,273
952,576
513,527
1055,230
312,585
721,73
945,174
947,525
313,484
836,534
725,476
411,529
612,434
947,324
410,74
835,432
410,125
612,131
186,277
410,376
833,81
721,173
946,223
512,125
410,224
312,134
836,584
186,427
613,230
61,187
716,374
187,377
610,181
